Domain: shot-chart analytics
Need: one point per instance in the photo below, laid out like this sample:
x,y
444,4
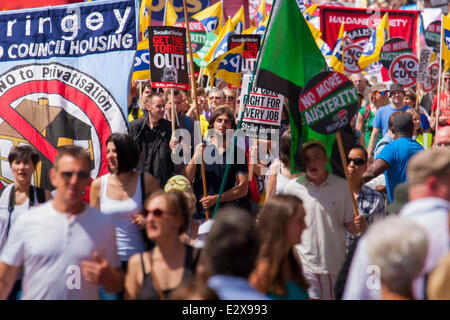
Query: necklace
x,y
116,180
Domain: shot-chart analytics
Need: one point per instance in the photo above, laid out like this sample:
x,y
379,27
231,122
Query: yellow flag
x,y
371,52
446,41
221,44
337,58
238,21
261,13
170,16
310,11
211,17
227,66
145,16
314,31
249,30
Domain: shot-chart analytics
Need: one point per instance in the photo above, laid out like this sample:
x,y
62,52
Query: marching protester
x,y
154,274
398,247
381,121
378,99
121,194
444,107
394,158
442,139
18,197
425,138
63,235
363,86
216,98
278,273
428,185
230,253
280,169
329,215
216,153
152,135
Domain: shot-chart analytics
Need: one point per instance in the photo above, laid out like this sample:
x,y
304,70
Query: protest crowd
x,y
327,180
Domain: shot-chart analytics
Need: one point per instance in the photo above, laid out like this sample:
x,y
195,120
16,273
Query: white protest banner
x,y
432,78
424,61
403,70
64,80
351,57
263,110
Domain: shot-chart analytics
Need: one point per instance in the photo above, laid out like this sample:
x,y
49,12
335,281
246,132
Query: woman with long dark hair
x,y
278,273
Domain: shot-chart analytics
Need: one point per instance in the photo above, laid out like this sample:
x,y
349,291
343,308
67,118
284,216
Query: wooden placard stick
x,y
194,96
344,164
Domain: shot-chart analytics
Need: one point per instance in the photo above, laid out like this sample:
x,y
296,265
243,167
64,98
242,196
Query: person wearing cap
x,y
429,195
444,104
394,157
329,215
381,121
378,98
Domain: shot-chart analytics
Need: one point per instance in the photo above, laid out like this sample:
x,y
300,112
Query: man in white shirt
x,y
329,214
66,248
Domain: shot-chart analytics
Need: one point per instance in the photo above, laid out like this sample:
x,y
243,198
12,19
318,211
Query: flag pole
x,y
440,77
172,112
231,155
344,164
194,97
419,92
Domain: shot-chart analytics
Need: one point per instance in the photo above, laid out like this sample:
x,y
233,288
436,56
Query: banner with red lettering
x,y
251,48
168,63
359,22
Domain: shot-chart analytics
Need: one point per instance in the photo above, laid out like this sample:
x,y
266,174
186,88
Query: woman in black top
x,y
154,274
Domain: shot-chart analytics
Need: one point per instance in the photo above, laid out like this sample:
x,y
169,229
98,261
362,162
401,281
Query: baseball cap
x,y
432,162
403,123
379,86
397,87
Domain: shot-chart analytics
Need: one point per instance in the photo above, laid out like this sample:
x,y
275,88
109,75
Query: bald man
x,y
442,139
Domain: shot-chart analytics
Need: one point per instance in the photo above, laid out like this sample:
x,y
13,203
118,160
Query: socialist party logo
x,y
52,105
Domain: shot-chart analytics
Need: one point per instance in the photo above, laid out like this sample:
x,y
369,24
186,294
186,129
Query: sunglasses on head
x,y
356,161
156,212
383,93
82,175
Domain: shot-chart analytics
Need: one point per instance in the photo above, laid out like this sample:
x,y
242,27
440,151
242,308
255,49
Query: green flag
x,y
289,58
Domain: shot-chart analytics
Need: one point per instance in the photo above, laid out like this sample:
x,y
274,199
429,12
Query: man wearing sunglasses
x,y
381,121
444,104
67,248
370,205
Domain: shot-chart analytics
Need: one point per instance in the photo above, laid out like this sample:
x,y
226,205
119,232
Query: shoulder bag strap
x,y
155,280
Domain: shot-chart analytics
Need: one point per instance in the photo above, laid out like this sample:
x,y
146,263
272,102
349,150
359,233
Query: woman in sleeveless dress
x,y
278,272
280,170
154,274
121,194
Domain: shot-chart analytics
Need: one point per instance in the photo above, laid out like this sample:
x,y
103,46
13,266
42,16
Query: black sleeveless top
x,y
148,290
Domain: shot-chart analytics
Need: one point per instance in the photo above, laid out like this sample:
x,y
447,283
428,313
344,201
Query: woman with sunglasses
x,y
154,274
230,99
278,273
18,197
121,193
379,96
